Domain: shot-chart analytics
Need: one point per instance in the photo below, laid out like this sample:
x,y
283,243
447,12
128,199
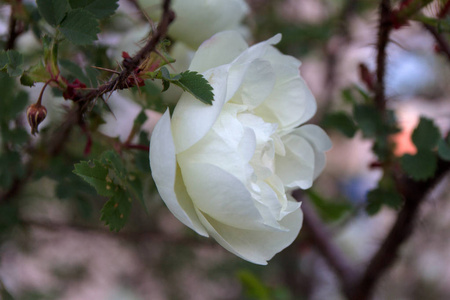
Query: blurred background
x,y
53,245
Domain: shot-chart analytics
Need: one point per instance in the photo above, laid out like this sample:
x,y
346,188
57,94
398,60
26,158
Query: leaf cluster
x,y
110,178
77,20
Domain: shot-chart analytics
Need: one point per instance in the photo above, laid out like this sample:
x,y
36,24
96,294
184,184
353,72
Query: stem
x,y
415,194
384,28
137,147
42,91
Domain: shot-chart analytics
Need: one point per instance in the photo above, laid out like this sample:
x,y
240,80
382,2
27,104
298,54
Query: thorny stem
x,y
361,284
57,140
440,40
385,27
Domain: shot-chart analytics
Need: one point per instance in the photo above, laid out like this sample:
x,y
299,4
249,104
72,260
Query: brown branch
x,y
56,142
414,194
15,27
325,245
440,40
384,28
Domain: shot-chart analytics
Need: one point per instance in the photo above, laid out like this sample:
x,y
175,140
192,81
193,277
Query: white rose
x,y
225,169
198,20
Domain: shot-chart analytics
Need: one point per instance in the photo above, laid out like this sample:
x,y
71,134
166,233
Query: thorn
x,y
105,69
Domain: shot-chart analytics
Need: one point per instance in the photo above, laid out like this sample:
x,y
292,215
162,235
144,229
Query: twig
x,y
15,27
57,140
440,40
414,194
384,28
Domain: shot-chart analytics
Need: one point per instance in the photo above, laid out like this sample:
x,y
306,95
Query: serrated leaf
x,y
53,11
99,8
165,73
37,73
420,166
444,149
80,27
116,211
15,63
197,85
426,135
12,61
342,122
3,60
368,119
113,160
96,175
166,85
381,196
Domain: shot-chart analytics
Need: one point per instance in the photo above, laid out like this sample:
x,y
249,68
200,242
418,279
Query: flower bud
x,y
36,113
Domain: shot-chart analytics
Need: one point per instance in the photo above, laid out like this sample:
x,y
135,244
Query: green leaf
x,y
53,11
11,167
12,61
37,73
80,27
96,174
197,85
4,60
420,166
329,209
253,286
74,69
15,63
99,8
382,196
116,211
16,136
340,121
426,135
12,103
368,119
444,149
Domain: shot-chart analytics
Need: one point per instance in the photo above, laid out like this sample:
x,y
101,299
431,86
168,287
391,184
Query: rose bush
x,y
198,20
226,169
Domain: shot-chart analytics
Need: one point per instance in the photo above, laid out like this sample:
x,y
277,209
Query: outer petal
x,y
320,142
221,195
164,171
192,119
254,245
222,48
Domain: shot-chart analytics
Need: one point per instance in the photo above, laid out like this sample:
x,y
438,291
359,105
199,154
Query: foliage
x,y
99,176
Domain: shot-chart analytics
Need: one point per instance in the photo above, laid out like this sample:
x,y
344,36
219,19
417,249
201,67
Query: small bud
x,y
36,113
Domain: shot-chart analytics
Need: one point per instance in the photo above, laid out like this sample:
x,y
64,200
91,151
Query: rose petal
x,y
320,141
164,171
222,48
221,195
253,245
